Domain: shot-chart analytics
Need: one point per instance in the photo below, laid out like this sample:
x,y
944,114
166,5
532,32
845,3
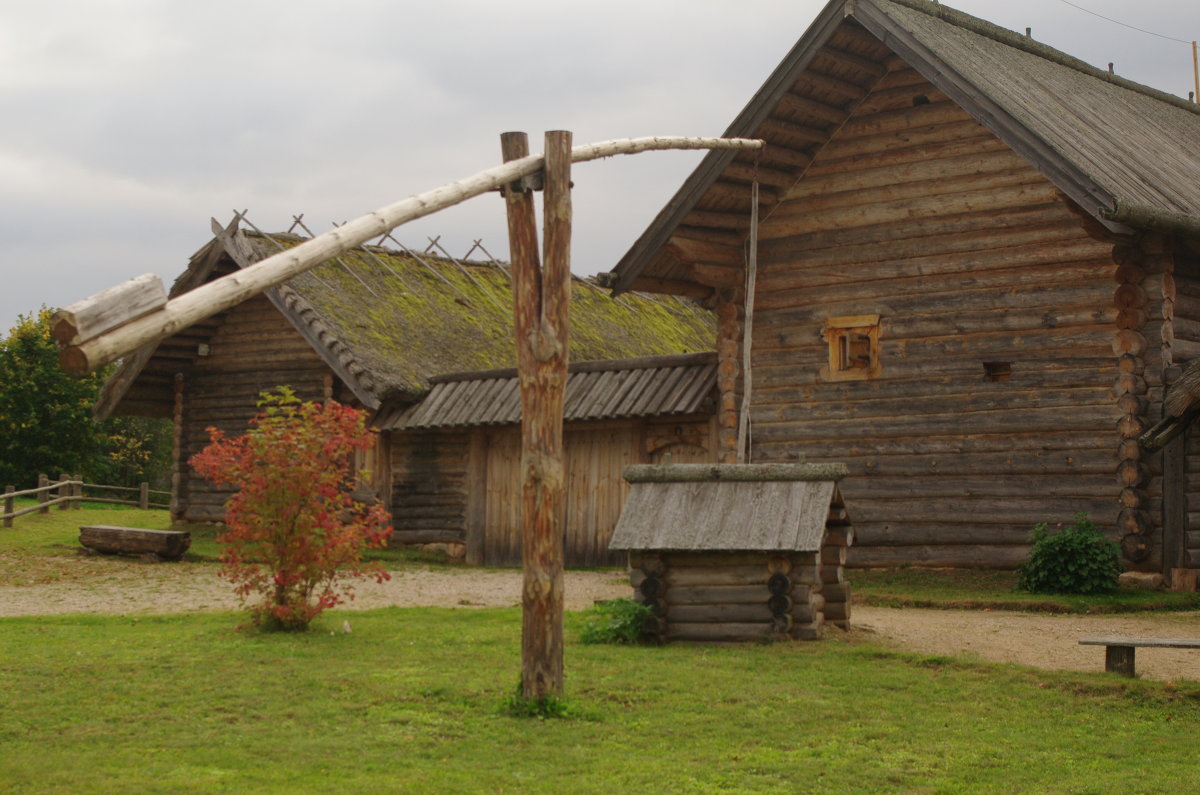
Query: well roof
x,y
1124,152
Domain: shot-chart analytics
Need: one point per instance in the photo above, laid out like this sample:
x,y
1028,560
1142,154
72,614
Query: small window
x,y
853,348
997,371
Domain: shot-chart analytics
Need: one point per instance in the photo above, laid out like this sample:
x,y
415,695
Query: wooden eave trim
x,y
235,245
1090,196
756,111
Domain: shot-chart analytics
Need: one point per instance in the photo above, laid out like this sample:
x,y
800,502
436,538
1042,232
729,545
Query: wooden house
x,y
374,328
978,266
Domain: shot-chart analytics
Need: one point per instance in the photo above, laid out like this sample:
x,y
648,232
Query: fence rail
x,y
70,494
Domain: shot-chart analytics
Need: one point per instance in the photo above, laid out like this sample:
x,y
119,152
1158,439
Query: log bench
x,y
165,544
1119,652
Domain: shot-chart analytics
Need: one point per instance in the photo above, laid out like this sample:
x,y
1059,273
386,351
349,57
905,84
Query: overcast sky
x,y
126,124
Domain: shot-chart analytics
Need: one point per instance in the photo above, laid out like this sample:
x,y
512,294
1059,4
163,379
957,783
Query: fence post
x,y
77,503
64,491
144,496
8,505
43,496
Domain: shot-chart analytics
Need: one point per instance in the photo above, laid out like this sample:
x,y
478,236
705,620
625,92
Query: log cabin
x,y
976,270
388,332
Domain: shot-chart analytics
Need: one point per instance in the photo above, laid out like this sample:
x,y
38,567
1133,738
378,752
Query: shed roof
x,y
388,321
1124,152
705,507
642,387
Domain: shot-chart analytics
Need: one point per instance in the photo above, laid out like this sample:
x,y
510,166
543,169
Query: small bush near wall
x,y
1076,559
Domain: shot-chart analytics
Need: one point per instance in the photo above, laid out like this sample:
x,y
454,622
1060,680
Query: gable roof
x,y
645,387
1124,152
386,322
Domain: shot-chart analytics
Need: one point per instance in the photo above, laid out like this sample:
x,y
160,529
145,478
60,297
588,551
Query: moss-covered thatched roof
x,y
406,318
387,321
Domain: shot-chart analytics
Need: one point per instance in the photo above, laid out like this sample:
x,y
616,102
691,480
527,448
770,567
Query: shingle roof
x,y
747,507
657,386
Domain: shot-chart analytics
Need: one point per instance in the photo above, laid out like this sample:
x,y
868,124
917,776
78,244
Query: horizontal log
x,y
833,162
719,613
108,309
787,221
717,575
971,557
711,473
167,544
724,559
719,594
720,631
832,574
810,631
800,200
1002,511
907,533
854,430
846,149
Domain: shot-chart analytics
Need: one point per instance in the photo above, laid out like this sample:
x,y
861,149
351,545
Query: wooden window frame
x,y
837,333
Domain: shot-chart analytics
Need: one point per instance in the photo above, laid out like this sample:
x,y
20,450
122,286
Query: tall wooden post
x,y
541,297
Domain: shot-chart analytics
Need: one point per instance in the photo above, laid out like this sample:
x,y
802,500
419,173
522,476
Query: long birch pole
x,y
220,294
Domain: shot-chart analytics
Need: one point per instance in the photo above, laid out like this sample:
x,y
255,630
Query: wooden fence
x,y
68,492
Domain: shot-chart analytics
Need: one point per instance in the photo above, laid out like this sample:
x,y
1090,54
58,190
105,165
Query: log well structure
x,y
978,271
413,339
730,553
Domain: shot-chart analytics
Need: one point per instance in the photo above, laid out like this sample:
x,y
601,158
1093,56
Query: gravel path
x,y
1042,640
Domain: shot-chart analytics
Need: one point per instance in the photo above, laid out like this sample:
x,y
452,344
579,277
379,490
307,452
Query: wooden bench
x,y
1119,652
166,544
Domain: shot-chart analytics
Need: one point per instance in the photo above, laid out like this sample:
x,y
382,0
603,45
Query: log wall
x,y
254,349
999,337
1182,548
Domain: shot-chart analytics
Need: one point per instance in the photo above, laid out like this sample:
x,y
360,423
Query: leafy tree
x,y
294,534
45,415
46,423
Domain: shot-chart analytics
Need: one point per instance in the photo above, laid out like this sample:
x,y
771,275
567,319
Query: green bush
x,y
1075,560
614,621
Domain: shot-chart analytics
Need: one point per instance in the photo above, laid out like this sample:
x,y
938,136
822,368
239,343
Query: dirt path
x,y
1045,641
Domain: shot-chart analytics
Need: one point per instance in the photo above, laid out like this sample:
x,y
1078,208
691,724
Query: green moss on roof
x,y
406,320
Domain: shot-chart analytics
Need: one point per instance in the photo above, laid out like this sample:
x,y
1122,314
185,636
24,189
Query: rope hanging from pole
x,y
743,437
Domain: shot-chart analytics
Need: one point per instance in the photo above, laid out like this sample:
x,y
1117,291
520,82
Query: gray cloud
x,y
128,123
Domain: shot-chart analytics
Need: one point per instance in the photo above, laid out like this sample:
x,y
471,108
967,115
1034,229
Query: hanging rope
x,y
743,438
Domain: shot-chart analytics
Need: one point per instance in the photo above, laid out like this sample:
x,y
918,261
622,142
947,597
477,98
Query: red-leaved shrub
x,y
294,536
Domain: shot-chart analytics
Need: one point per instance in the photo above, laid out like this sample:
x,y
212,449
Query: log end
x,y
74,361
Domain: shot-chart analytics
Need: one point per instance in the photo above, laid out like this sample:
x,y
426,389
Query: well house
x,y
978,269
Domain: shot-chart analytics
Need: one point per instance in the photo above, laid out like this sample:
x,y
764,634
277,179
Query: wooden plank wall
x,y
253,350
463,485
916,213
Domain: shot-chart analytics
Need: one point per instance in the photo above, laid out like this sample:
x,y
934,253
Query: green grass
x,y
996,590
410,701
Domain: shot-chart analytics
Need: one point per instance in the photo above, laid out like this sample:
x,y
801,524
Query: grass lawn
x,y
410,701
